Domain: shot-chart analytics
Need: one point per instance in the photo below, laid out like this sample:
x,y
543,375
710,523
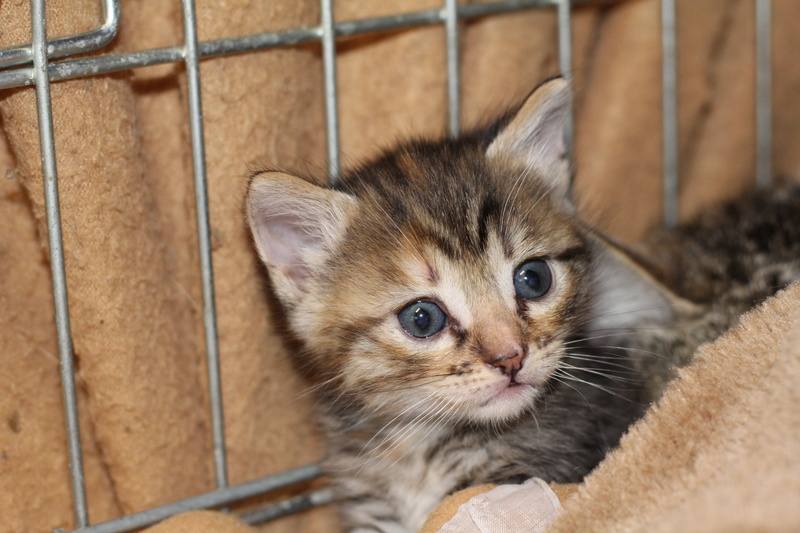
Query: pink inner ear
x,y
551,135
284,240
535,136
541,139
295,225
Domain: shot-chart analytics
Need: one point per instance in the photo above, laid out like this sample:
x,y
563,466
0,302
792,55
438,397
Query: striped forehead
x,y
457,222
463,284
455,203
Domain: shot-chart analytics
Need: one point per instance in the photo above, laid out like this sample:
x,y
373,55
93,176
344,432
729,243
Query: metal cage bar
x,y
43,72
565,67
192,61
763,14
450,15
73,44
328,37
58,273
670,112
292,505
75,68
214,499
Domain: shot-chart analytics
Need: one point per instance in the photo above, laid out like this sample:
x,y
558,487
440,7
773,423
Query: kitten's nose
x,y
502,344
508,361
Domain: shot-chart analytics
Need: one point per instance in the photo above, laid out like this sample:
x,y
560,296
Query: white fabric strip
x,y
529,507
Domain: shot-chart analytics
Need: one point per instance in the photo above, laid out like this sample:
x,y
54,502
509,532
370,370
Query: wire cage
x,y
32,64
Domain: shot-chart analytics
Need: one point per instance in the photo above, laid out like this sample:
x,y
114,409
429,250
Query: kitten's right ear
x,y
534,137
295,225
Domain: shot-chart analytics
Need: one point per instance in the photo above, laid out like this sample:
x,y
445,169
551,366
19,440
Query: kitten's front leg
x,y
365,511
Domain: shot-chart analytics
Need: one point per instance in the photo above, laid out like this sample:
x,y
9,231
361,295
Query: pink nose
x,y
508,361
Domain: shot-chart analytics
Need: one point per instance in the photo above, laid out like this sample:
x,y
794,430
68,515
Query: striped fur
x,y
411,420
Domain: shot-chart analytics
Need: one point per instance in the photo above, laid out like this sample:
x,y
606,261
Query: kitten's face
x,y
449,303
440,281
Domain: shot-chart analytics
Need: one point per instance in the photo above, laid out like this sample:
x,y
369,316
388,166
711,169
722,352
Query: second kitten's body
x,y
465,326
729,259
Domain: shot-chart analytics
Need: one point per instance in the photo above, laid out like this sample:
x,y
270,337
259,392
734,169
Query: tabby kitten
x,y
462,323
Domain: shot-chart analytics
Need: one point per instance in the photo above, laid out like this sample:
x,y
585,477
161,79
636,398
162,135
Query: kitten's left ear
x,y
535,135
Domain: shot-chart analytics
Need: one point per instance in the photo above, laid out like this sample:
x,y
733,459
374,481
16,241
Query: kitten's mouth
x,y
508,396
503,400
513,391
515,384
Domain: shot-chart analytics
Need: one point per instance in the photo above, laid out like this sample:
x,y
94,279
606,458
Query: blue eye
x,y
532,279
422,319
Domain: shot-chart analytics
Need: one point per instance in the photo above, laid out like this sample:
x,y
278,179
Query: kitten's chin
x,y
508,403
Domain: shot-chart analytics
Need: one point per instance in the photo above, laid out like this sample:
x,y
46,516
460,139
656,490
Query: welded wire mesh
x,y
32,66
